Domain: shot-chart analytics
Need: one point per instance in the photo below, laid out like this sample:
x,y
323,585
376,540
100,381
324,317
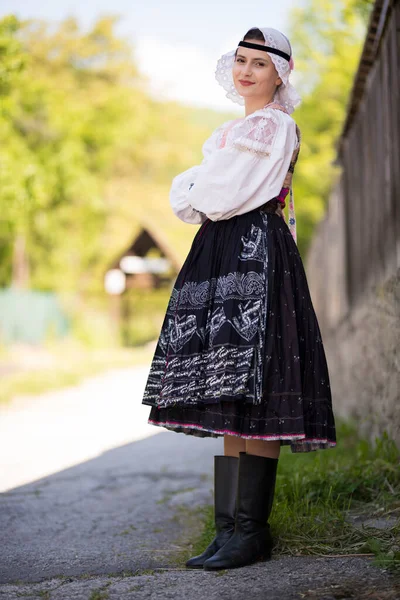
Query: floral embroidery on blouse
x,y
225,184
269,128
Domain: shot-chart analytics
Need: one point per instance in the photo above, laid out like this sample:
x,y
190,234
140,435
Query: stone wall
x,y
361,339
364,362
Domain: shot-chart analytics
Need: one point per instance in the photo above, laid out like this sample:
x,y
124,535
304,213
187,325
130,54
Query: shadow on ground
x,y
117,526
117,512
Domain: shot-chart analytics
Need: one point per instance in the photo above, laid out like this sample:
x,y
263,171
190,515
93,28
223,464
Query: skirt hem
x,y
298,441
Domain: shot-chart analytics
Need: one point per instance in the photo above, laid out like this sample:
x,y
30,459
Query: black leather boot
x,y
225,486
252,538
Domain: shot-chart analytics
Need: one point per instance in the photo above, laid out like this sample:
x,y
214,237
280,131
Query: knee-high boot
x,y
251,540
225,486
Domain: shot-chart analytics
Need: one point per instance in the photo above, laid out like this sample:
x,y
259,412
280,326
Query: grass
x,y
318,494
99,595
170,493
67,365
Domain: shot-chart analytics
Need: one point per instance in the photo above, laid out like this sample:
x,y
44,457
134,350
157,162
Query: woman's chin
x,y
245,93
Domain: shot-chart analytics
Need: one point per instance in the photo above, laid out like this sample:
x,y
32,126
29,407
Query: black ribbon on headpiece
x,y
266,49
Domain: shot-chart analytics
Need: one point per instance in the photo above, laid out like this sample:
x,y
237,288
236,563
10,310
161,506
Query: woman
x,y
240,353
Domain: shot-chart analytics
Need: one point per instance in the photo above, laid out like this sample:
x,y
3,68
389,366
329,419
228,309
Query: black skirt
x,y
240,350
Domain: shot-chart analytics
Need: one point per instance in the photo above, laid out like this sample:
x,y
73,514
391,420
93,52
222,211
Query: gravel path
x,y
279,579
96,507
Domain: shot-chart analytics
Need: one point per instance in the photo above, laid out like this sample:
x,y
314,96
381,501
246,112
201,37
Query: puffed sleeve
x,y
182,184
249,170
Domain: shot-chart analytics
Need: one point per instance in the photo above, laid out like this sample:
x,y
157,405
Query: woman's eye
x,y
258,63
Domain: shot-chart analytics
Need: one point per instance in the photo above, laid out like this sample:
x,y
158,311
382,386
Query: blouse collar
x,y
269,105
256,113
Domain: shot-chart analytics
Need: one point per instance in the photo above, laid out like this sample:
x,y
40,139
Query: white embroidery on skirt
x,y
181,330
253,246
249,319
234,285
217,369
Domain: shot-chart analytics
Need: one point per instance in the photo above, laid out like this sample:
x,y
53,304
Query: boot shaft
x,y
255,492
225,490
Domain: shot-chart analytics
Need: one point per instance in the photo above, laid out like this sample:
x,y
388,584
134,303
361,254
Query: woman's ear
x,y
278,81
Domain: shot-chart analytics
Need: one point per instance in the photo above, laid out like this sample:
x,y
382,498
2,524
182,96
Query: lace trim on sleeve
x,y
257,137
245,148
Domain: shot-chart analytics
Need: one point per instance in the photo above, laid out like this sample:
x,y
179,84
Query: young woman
x,y
240,353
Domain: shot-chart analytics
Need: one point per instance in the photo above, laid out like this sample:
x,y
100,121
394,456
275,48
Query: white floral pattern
x,y
286,94
218,368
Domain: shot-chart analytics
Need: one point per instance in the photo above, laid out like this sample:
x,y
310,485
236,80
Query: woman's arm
x,y
249,171
183,182
179,194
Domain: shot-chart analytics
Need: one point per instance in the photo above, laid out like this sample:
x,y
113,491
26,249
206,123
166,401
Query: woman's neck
x,y
253,104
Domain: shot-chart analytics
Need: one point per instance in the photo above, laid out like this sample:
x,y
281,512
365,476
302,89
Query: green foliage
x,y
317,493
327,38
369,475
56,146
84,150
12,59
144,311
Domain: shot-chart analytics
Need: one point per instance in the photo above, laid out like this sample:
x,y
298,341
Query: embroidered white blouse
x,y
245,163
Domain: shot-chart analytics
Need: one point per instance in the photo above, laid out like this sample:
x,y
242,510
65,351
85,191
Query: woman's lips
x,y
243,82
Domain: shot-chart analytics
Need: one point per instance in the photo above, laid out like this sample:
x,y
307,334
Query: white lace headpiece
x,y
285,94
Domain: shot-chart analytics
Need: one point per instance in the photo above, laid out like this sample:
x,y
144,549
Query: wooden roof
x,y
376,27
152,221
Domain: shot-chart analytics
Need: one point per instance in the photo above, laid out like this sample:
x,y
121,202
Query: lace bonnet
x,y
280,52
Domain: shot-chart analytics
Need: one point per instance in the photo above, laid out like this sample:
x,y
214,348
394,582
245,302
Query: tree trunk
x,y
20,270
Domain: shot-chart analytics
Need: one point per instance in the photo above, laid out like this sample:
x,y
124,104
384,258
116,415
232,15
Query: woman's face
x,y
254,66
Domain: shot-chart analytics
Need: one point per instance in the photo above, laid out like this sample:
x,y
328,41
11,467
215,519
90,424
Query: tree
x,y
84,151
327,36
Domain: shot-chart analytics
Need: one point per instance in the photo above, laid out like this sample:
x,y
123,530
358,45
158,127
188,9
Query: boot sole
x,y
263,558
